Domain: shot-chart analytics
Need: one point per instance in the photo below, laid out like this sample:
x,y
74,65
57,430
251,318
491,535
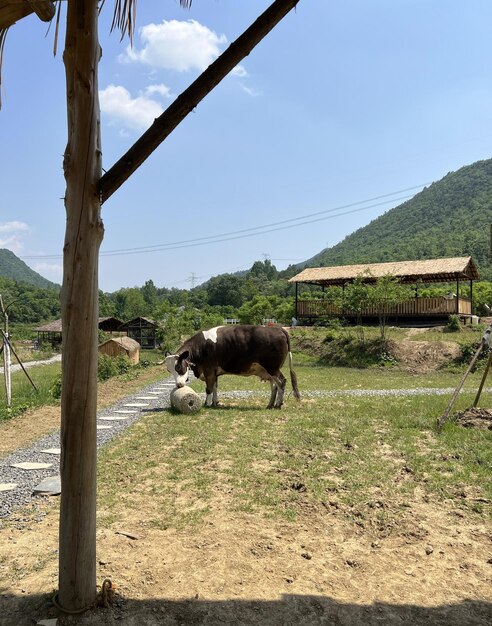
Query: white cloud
x,y
250,90
240,71
160,89
135,113
12,227
12,234
52,271
176,45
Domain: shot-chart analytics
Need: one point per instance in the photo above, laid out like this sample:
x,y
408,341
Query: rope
x,y
103,599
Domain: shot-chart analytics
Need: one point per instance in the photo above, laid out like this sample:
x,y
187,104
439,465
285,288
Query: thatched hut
x,y
117,346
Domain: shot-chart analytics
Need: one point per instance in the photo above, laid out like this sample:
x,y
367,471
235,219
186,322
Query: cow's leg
x,y
211,389
273,395
281,382
215,397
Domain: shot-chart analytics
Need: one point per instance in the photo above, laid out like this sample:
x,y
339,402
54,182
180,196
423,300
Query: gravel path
x,y
113,420
28,364
152,398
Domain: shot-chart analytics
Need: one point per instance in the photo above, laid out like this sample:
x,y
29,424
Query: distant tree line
x,y
251,297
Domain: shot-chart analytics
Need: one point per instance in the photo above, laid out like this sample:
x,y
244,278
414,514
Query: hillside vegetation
x,y
449,218
15,269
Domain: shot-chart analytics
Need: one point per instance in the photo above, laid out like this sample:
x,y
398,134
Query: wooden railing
x,y
418,307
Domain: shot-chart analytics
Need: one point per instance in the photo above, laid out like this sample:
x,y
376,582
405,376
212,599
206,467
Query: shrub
x,y
55,389
108,366
454,324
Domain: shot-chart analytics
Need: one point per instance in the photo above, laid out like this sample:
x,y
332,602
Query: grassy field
x,y
364,456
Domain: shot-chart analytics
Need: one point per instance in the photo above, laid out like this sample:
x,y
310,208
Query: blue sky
x,y
346,100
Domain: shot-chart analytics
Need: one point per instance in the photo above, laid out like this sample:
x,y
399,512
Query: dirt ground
x,y
434,569
424,356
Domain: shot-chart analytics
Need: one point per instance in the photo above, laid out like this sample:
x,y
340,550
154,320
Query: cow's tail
x,y
293,377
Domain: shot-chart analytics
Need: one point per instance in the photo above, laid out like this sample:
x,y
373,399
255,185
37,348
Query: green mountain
x,y
13,268
451,217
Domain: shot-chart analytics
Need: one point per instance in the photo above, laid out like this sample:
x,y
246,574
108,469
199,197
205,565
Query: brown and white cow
x,y
242,350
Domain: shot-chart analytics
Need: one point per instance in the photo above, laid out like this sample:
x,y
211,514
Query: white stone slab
x,y
145,398
114,418
50,486
52,451
103,426
125,412
155,393
31,466
137,404
7,486
48,622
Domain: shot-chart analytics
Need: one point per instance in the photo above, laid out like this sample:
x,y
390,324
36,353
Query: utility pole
x,y
192,279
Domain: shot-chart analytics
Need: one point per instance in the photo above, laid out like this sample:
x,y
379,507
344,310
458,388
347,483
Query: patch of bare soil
x,y
23,429
424,356
240,569
475,417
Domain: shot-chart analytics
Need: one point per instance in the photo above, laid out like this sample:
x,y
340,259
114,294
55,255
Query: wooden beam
x,y
189,99
44,9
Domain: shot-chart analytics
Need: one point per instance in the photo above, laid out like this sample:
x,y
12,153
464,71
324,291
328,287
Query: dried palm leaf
x,y
3,36
124,16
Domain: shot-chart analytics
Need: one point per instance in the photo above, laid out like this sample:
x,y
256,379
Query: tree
x,y
385,296
354,299
225,290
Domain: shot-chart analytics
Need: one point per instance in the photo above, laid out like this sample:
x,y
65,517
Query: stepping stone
x,y
50,486
103,426
125,412
7,486
31,466
52,451
47,622
114,418
145,398
137,404
155,393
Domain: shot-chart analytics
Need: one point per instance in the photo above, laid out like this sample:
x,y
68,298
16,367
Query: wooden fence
x,y
418,307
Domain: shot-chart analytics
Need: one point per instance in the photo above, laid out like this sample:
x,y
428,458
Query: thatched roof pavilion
x,y
454,269
427,271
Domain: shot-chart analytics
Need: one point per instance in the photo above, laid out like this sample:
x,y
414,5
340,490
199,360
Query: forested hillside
x,y
13,268
452,217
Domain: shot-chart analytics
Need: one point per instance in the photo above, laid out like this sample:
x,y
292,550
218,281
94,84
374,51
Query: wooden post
x,y
6,356
297,299
482,382
447,412
79,305
457,296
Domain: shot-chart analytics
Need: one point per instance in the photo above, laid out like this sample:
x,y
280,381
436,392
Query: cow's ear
x,y
184,355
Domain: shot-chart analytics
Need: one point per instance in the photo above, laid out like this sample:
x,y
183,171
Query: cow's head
x,y
179,366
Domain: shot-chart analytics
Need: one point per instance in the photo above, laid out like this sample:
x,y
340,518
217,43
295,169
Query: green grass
x,y
311,375
363,457
24,397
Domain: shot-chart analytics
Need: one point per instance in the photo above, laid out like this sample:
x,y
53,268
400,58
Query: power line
x,y
252,231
